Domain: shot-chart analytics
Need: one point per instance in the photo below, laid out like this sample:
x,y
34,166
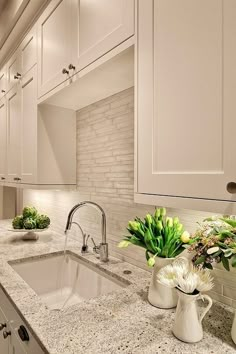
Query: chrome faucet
x,y
102,249
84,248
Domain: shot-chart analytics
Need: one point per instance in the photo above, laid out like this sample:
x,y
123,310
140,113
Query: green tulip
x,y
149,219
162,211
151,261
169,221
176,220
124,244
157,213
134,225
159,225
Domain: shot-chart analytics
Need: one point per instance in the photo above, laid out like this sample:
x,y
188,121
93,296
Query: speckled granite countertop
x,y
120,322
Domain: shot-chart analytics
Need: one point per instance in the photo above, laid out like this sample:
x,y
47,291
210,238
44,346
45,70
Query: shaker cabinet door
x,y
29,127
3,140
54,45
186,98
4,343
3,81
13,134
103,25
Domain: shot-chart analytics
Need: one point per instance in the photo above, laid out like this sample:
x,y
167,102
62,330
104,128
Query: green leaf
x,y
200,260
233,261
229,221
225,262
228,253
208,265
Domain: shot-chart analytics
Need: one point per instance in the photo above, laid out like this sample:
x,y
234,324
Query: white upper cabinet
x,y
13,68
3,139
28,131
102,25
186,99
13,134
28,51
3,81
54,44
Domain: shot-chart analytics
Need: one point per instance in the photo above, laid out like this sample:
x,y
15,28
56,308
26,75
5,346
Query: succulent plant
x,y
17,222
42,221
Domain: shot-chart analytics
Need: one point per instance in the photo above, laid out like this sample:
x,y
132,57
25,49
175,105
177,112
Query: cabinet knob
x,y
3,91
2,325
6,334
231,187
64,71
17,76
17,179
71,67
3,178
22,331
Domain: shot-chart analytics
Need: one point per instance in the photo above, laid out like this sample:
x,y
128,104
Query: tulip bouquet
x,y
185,277
215,241
160,235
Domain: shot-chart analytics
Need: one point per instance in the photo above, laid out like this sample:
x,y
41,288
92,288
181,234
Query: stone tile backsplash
x,y
105,174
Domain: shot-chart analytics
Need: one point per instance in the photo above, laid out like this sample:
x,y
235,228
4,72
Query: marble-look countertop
x,y
119,322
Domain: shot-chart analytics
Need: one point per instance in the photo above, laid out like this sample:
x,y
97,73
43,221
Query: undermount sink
x,y
64,280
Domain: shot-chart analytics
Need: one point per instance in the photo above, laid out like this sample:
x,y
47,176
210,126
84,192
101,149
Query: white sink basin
x,y
62,281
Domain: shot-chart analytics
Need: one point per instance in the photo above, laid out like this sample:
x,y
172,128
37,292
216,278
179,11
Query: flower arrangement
x,y
214,241
160,235
184,276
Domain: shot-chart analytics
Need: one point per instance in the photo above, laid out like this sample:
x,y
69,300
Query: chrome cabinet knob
x,y
2,325
6,334
231,187
17,76
71,67
64,71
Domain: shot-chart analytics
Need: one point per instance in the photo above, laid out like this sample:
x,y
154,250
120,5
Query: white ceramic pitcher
x,y
160,295
188,322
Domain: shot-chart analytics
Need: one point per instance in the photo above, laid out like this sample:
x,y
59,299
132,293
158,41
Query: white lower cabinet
x,y
186,103
15,336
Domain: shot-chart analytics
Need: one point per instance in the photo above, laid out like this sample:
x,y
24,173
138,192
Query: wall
x,y
105,174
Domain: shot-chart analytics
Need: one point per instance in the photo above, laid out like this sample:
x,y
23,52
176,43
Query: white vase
x,y
160,295
233,330
188,322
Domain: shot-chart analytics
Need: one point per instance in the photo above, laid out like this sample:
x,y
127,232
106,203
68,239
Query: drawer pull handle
x,y
231,187
17,76
17,179
22,331
6,334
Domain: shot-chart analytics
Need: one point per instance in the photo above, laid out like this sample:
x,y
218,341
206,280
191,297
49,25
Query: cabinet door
x,y
28,51
3,82
4,343
13,134
13,70
54,44
103,25
15,346
186,98
3,139
29,126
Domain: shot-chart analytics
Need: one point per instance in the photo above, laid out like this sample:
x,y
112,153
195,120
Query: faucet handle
x,y
95,247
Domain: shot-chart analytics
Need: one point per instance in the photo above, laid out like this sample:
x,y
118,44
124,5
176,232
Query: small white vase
x,y
233,330
160,295
188,322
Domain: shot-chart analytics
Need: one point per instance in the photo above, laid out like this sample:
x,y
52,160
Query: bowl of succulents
x,y
163,238
214,242
30,221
